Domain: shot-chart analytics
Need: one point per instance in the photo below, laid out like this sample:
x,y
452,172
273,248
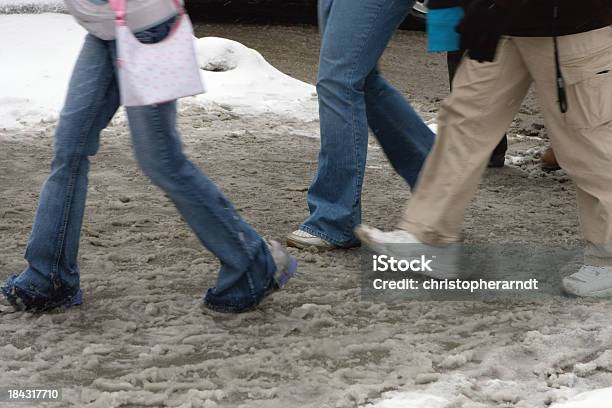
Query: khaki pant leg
x,y
581,138
485,99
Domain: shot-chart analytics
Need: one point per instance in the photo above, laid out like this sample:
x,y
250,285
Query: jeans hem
x,y
35,302
237,304
343,244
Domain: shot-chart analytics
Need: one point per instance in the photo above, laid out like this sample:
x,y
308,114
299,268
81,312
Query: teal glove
x,y
441,34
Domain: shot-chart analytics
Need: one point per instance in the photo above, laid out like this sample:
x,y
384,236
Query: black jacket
x,y
535,18
440,4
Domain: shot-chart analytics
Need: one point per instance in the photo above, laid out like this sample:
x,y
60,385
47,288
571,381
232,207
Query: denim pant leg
x,y
354,36
247,267
91,102
401,132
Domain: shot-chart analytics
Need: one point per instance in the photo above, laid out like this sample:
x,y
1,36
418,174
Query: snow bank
x,y
35,79
592,399
241,78
37,53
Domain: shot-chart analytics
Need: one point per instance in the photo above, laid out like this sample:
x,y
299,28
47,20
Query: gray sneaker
x,y
303,240
286,265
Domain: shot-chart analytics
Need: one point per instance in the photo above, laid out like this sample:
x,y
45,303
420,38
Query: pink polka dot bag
x,y
150,74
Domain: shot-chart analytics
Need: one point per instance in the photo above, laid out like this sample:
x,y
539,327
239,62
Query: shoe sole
x,y
76,300
440,276
599,294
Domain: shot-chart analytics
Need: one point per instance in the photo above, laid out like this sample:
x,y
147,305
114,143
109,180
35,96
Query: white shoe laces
x,y
303,234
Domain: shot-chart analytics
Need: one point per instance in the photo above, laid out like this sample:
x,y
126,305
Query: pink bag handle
x,y
120,9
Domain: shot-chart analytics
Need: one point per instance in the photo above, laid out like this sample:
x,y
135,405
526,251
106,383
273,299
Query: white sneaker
x,y
590,281
379,241
397,244
303,240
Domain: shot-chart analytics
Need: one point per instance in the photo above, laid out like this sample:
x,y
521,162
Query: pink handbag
x,y
155,73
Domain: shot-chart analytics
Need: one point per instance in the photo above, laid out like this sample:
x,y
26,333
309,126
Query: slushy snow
x,y
35,81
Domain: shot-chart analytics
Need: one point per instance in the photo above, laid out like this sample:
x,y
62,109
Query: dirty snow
x,y
31,6
141,338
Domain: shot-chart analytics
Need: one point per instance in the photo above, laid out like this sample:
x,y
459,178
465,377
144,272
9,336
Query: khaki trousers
x,y
484,101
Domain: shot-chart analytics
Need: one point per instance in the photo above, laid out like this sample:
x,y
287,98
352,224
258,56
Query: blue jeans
x,y
352,96
247,267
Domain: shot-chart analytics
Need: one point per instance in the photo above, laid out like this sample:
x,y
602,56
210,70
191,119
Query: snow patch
x,y
411,400
592,399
